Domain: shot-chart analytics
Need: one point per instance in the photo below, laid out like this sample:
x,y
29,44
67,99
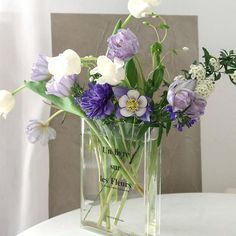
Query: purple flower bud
x,y
40,69
123,45
61,87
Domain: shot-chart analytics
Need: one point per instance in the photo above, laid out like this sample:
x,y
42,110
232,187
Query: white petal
x,y
105,65
133,94
141,112
107,79
142,101
123,100
120,75
126,113
118,63
94,71
7,102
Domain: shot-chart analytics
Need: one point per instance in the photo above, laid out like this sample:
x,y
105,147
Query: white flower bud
x,y
7,102
185,49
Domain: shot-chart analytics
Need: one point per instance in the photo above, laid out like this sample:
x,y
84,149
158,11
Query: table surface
x,y
192,214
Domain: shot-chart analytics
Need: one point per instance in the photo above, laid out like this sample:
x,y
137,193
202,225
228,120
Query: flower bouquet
x,y
122,123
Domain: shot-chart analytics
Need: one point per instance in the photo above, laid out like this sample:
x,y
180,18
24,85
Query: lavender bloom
x,y
61,87
173,115
181,94
96,101
38,131
197,108
123,45
189,124
40,69
181,97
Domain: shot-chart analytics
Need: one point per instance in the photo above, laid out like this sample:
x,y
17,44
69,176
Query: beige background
x,y
87,34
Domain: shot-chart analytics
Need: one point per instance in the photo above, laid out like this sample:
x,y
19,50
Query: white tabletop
x,y
192,214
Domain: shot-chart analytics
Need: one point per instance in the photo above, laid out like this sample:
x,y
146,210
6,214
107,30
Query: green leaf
x,y
174,51
164,26
131,73
207,56
217,76
158,76
156,50
117,27
66,104
154,83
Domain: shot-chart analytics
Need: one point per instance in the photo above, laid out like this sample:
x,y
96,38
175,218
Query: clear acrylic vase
x,y
120,179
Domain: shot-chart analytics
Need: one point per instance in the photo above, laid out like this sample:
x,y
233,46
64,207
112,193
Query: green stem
x,y
109,196
121,207
116,159
53,116
125,23
18,90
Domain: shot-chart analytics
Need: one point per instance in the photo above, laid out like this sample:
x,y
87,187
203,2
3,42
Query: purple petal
x,y
119,91
40,69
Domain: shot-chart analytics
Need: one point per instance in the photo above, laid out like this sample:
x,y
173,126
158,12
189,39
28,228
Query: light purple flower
x,y
61,87
197,108
123,45
40,69
131,103
37,131
181,93
181,97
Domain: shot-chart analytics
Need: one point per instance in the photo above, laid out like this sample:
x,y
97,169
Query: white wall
x,y
216,30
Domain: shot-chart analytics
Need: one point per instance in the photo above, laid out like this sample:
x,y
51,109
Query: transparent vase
x,y
120,179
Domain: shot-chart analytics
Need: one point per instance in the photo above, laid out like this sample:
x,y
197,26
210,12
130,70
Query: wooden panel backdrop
x,y
87,34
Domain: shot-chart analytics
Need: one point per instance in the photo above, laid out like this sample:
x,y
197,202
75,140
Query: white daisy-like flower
x,y
233,77
197,72
204,88
38,131
215,63
133,104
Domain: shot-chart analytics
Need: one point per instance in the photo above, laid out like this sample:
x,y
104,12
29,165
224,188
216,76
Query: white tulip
x,y
7,102
111,72
67,63
141,8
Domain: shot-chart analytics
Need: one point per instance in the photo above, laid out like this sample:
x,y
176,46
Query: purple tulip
x,y
61,87
40,69
96,101
123,45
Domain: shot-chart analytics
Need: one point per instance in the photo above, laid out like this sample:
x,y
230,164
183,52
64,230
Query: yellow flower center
x,y
132,105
